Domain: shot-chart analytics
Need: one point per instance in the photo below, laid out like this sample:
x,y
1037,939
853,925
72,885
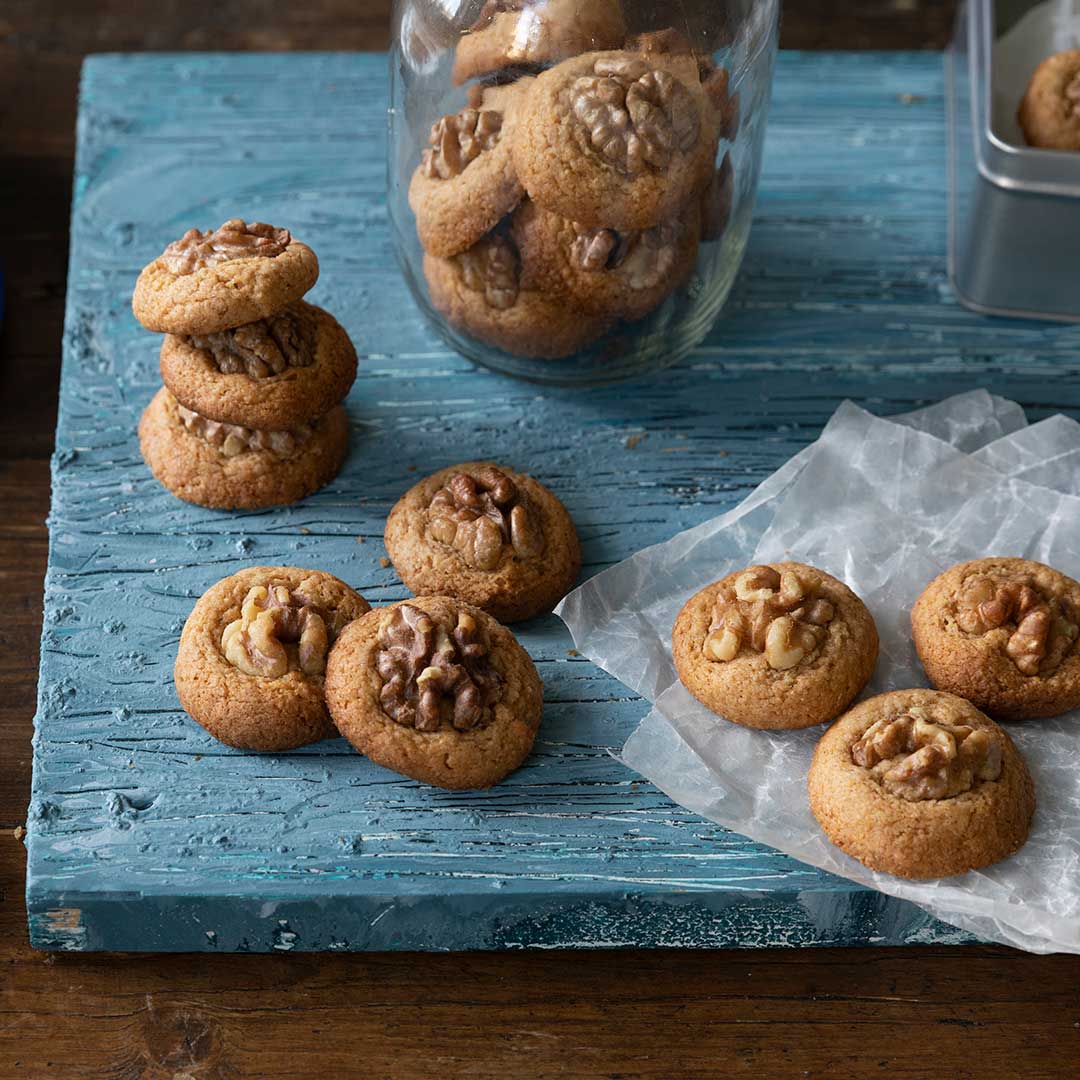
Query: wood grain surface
x,y
822,1013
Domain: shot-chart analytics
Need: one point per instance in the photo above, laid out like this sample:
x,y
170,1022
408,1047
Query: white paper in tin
x,y
886,505
1050,27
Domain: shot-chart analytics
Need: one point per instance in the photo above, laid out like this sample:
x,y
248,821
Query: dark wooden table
x,y
934,1012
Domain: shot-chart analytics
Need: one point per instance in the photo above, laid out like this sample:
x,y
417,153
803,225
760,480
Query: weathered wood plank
x,y
144,833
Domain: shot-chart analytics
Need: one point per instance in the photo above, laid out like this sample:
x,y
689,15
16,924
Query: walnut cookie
x,y
207,282
483,292
1002,632
778,646
495,538
280,372
466,182
252,656
920,784
437,690
228,467
526,34
614,139
606,272
1050,111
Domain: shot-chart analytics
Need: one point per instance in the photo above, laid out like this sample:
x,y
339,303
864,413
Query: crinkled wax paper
x,y
885,505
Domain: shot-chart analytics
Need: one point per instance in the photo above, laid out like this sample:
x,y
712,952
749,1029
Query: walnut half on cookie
x,y
1003,633
488,535
921,784
776,646
210,281
437,690
253,655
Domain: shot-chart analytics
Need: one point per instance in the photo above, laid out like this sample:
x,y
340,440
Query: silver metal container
x,y
1014,211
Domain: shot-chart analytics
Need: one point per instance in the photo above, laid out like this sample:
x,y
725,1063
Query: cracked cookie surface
x,y
606,272
484,292
466,181
778,646
288,619
1003,633
226,467
249,376
199,286
495,538
436,690
614,139
921,784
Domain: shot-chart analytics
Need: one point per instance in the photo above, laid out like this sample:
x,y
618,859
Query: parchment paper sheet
x,y
886,505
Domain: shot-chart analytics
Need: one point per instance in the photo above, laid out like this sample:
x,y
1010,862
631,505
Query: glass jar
x,y
571,181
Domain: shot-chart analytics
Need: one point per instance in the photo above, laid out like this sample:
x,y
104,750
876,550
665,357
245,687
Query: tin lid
x,y
1019,168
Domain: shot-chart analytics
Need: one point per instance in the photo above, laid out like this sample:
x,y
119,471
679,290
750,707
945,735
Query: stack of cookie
x,y
250,412
556,204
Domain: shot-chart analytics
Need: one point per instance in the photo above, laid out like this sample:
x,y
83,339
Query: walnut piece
x,y
232,439
264,348
918,758
482,513
279,631
433,676
1037,630
646,256
635,116
458,140
492,268
236,239
770,612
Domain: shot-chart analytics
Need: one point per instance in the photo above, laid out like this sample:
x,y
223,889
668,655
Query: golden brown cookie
x,y
227,467
252,656
210,281
606,272
495,538
921,784
525,34
280,372
1050,112
1003,634
482,291
437,690
614,139
778,646
465,182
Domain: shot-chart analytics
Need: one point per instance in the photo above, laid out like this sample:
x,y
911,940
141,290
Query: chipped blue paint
x,y
144,833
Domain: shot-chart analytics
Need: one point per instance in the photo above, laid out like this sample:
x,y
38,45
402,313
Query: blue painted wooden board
x,y
144,833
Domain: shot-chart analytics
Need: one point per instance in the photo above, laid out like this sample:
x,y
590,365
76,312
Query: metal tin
x,y
1014,211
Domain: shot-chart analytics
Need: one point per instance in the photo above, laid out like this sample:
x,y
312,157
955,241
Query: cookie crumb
x,y
572,652
359,539
721,453
633,440
18,832
384,562
305,530
909,99
198,757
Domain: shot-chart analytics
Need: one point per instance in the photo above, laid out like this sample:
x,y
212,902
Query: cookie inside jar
x,y
600,155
